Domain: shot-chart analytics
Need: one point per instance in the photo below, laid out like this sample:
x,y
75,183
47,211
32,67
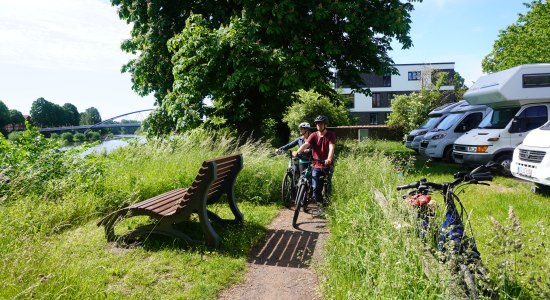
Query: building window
x,y
536,80
415,75
376,99
381,100
349,100
373,119
386,81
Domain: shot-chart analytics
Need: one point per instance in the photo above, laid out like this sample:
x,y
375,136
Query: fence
x,y
381,132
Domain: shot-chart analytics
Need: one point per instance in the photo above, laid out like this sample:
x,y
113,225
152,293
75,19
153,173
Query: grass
x,y
51,248
367,250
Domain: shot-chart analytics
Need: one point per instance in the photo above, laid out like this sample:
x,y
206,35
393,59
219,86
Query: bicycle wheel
x,y
300,198
287,190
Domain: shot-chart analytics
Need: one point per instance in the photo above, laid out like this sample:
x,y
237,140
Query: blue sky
x,y
69,50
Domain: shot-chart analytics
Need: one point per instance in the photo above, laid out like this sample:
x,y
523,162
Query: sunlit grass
x,y
53,249
366,250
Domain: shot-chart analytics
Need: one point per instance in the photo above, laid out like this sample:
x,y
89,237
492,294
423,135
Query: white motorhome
x,y
438,142
520,98
531,159
434,118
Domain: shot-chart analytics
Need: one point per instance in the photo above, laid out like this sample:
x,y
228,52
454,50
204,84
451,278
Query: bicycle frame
x,y
452,231
457,248
305,191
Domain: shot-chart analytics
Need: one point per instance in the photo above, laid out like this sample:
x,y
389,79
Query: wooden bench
x,y
216,177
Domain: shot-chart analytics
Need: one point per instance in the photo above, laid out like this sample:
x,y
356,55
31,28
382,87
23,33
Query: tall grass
x,y
367,256
366,250
51,248
50,202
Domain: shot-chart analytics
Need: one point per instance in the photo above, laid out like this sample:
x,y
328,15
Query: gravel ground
x,y
284,266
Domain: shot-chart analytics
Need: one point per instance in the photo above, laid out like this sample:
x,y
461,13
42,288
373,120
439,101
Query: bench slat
x,y
175,192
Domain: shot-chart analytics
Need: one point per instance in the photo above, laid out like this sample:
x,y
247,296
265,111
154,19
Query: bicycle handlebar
x,y
419,184
481,173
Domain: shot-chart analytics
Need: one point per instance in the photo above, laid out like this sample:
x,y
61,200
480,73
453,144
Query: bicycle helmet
x,y
321,118
304,125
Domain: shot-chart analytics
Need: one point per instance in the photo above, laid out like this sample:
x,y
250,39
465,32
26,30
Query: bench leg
x,y
212,238
239,219
109,224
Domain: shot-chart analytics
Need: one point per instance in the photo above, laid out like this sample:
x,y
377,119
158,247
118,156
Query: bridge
x,y
106,124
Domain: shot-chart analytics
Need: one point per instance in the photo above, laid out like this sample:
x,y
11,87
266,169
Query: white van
x,y
438,142
434,118
531,159
520,98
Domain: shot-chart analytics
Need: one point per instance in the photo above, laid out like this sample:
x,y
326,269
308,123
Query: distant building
x,y
374,110
17,127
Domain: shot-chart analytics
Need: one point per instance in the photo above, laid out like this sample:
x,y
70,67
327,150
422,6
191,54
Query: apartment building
x,y
374,109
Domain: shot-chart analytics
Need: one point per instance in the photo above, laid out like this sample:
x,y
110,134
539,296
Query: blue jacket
x,y
304,157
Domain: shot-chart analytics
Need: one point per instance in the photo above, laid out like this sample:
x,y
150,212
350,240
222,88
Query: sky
x,y
68,51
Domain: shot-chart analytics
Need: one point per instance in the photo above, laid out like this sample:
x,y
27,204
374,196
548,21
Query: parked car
x,y
531,160
438,142
434,118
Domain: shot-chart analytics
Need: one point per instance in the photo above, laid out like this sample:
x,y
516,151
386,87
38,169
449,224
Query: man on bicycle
x,y
304,159
322,143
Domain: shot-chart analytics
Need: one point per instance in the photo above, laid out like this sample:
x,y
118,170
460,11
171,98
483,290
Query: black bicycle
x,y
305,193
290,179
453,244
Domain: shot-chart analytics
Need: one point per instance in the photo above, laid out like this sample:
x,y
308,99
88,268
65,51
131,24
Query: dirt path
x,y
283,267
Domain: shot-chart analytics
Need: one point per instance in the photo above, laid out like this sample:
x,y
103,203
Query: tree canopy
x,y
90,116
250,57
524,42
409,111
72,117
4,115
46,113
16,117
310,105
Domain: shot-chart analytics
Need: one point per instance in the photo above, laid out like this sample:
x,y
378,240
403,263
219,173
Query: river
x,y
113,143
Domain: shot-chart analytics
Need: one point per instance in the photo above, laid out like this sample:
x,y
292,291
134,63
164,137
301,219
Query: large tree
x,y
4,115
250,57
524,42
16,117
90,116
43,112
46,113
72,117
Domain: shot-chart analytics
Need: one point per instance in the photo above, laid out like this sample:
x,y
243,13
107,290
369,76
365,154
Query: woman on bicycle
x,y
304,159
322,143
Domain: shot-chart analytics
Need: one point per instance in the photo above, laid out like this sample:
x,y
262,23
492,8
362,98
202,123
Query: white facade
x,y
375,108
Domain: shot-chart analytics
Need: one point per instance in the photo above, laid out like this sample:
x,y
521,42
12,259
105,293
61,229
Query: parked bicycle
x,y
290,179
452,242
305,193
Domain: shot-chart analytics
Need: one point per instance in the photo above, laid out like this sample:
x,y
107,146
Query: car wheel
x,y
505,161
448,155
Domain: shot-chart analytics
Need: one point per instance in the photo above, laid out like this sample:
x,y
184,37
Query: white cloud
x,y
61,34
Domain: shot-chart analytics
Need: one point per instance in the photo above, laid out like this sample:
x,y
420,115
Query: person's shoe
x,y
319,212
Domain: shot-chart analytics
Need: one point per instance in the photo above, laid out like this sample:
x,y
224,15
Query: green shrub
x,y
54,136
79,137
310,105
93,136
67,137
15,136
